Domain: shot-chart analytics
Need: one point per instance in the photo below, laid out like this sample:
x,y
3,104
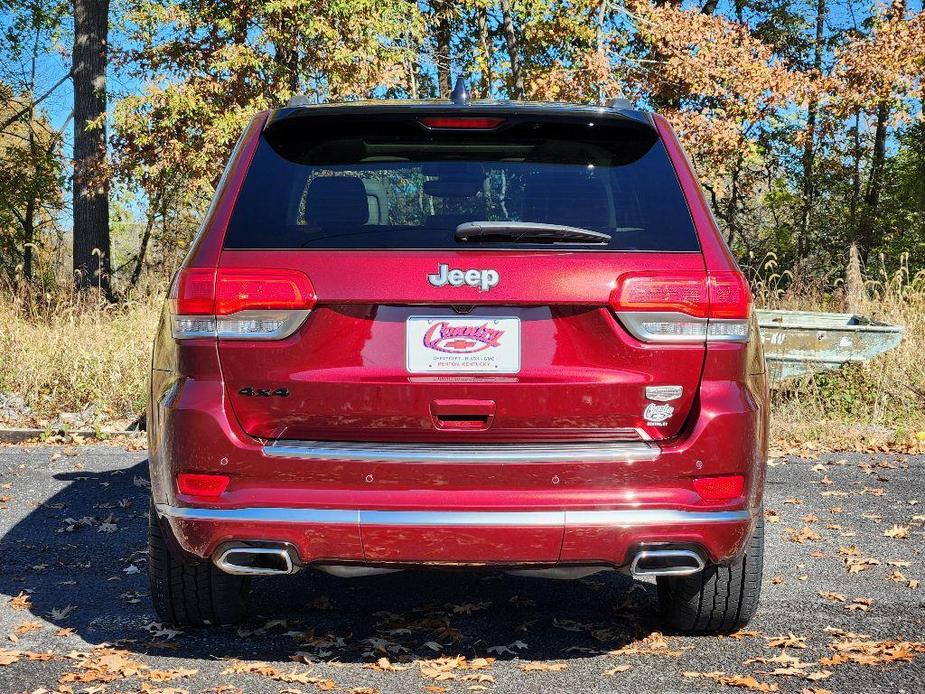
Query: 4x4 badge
x,y
483,279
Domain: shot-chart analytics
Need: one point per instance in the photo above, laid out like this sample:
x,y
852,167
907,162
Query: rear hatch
x,y
475,277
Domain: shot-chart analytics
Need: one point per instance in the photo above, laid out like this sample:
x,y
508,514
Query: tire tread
x,y
719,599
190,592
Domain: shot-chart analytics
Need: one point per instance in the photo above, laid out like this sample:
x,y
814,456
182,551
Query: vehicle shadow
x,y
61,554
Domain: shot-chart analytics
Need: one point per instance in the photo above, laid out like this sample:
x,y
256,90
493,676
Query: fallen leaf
x,y
21,602
862,604
804,535
820,675
386,665
542,666
26,627
63,612
834,597
788,641
858,564
9,657
744,681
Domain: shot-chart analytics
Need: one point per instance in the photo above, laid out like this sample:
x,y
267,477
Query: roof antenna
x,y
460,93
620,103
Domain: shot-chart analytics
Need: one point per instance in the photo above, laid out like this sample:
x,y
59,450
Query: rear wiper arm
x,y
527,232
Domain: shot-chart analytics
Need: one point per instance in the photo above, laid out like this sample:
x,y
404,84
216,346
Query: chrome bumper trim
x,y
586,519
606,452
262,515
443,519
510,519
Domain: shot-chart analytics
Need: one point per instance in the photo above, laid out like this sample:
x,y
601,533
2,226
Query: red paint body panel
x,y
582,375
582,378
385,544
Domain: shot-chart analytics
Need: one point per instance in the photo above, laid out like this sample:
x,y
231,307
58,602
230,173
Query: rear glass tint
x,y
376,182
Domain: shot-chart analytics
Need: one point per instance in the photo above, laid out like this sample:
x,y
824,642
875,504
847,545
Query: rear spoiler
x,y
619,110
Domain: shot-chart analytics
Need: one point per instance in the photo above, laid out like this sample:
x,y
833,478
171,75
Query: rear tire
x,y
191,592
719,599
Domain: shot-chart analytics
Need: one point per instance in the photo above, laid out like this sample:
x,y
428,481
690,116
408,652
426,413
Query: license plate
x,y
469,345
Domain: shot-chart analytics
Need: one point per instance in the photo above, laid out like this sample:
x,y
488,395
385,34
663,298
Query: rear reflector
x,y
719,488
461,123
240,303
202,485
683,307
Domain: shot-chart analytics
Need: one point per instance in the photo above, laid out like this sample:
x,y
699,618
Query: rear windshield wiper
x,y
527,232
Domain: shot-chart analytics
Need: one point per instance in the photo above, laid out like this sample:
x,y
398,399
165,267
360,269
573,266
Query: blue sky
x,y
55,61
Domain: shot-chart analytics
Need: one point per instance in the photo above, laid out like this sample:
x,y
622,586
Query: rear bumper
x,y
508,538
574,503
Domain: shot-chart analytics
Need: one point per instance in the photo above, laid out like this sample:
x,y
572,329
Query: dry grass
x,y
62,356
880,401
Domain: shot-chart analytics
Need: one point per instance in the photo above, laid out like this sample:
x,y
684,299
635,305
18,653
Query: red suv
x,y
453,333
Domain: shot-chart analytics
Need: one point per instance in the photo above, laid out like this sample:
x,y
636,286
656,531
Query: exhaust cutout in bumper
x,y
666,562
255,561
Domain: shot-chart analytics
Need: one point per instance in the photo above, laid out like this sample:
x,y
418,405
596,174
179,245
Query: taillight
x,y
683,307
730,297
236,303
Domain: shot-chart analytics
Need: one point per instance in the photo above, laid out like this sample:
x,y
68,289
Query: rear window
x,y
378,182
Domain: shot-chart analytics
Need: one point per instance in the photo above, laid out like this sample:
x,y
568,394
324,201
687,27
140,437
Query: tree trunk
x,y
28,222
145,240
91,186
287,61
28,241
599,36
867,232
855,173
732,220
485,48
443,35
809,147
513,50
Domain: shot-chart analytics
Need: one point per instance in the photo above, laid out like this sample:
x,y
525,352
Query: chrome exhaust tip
x,y
255,561
666,562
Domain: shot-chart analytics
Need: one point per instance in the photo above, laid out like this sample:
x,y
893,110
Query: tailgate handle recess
x,y
462,414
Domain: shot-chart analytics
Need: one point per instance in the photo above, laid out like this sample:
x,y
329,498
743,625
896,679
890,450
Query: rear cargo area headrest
x,y
575,199
336,201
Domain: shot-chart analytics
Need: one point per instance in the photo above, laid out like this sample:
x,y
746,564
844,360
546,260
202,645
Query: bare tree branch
x,y
25,109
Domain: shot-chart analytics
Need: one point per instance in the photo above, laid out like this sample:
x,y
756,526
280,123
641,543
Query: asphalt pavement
x,y
841,610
